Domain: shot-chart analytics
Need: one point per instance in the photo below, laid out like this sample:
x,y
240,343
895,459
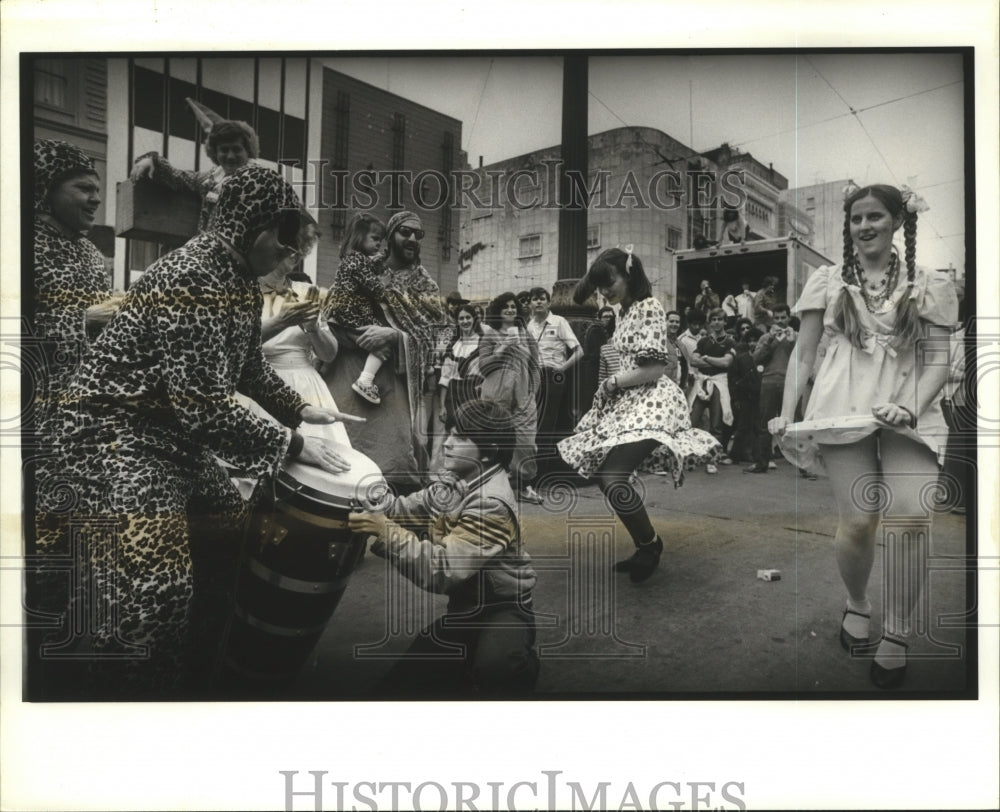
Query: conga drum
x,y
298,557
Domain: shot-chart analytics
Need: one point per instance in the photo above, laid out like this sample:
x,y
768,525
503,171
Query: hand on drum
x,y
314,414
372,524
317,451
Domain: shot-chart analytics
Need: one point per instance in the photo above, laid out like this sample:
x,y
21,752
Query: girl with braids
x,y
640,419
874,415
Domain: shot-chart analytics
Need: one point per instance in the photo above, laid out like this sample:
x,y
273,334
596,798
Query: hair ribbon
x,y
914,203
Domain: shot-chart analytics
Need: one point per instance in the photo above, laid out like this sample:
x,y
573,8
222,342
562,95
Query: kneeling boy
x,y
485,643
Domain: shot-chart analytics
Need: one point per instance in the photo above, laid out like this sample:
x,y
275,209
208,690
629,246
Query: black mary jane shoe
x,y
889,678
848,641
646,560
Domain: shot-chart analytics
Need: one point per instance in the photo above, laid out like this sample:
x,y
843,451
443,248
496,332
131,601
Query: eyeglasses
x,y
408,232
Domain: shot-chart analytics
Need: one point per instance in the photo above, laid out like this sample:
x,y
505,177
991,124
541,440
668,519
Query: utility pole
x,y
573,219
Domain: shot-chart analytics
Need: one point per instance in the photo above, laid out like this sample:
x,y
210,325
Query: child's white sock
x,y
372,365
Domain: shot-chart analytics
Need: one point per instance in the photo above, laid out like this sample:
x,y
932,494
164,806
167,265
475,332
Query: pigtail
x,y
845,313
907,317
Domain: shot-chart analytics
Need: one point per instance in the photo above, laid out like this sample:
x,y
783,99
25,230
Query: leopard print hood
x,y
250,199
54,162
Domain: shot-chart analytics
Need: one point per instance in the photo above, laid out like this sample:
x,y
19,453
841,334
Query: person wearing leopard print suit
x,y
69,274
151,407
70,285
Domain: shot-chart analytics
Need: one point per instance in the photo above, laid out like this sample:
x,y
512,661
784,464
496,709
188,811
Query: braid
x,y
910,243
847,318
847,270
907,317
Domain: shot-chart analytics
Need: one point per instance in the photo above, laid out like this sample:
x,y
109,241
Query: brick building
x,y
365,129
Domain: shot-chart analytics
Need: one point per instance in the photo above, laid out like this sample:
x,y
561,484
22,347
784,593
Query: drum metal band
x,y
319,521
313,494
290,584
273,628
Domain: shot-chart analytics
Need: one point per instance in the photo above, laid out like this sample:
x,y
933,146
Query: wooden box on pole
x,y
151,212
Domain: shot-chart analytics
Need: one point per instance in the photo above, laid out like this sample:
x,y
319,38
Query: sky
x,y
872,117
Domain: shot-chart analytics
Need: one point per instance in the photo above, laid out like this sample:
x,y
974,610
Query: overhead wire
x,y
875,146
851,112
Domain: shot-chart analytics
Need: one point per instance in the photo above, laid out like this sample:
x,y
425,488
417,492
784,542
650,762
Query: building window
x,y
50,83
593,237
529,246
674,236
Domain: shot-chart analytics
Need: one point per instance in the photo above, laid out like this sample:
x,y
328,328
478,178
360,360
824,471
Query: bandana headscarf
x,y
54,162
250,199
397,220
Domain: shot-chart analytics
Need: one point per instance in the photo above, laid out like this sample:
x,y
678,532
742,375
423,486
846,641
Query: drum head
x,y
363,485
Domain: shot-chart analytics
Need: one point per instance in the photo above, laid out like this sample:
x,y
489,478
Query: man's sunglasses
x,y
408,232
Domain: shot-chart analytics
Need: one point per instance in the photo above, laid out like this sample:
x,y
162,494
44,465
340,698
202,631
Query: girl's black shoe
x,y
847,640
625,565
889,678
646,560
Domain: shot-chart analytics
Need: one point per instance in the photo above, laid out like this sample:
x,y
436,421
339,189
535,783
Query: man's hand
x,y
376,338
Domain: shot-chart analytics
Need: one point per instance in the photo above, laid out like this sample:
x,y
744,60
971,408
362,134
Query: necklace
x,y
877,296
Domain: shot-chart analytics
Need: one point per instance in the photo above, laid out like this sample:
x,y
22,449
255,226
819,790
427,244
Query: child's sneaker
x,y
530,495
368,391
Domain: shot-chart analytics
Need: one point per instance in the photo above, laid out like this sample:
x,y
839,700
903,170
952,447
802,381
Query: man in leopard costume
x,y
69,272
151,409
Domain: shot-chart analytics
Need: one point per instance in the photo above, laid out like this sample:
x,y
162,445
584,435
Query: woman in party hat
x,y
230,144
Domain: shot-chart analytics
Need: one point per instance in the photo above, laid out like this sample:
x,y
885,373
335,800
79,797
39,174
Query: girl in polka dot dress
x,y
640,419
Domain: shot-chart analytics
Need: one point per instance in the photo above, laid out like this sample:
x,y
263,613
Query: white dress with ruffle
x,y
851,380
290,353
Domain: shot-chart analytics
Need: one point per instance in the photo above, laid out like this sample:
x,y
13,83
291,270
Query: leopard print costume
x,y
69,277
356,290
151,406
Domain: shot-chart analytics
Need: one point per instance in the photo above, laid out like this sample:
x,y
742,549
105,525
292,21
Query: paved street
x,y
703,625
